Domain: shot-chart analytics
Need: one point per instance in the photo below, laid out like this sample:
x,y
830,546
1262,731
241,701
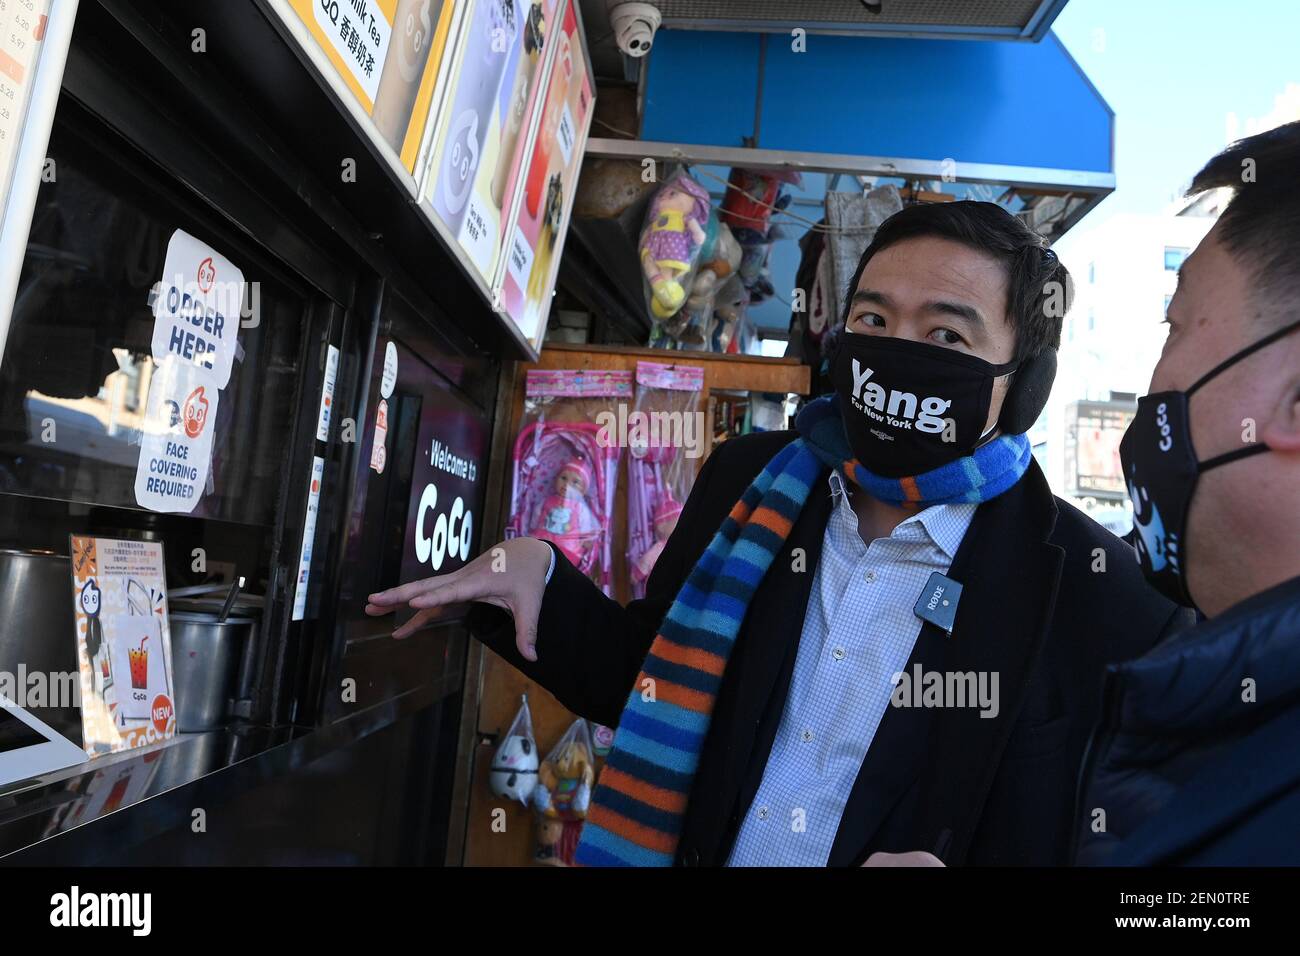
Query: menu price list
x,y
22,27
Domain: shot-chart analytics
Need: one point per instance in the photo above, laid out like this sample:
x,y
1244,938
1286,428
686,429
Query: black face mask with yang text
x,y
909,407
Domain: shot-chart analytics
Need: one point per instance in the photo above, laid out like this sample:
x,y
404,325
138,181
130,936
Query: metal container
x,y
205,662
37,626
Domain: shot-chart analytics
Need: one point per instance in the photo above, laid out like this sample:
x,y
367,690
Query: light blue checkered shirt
x,y
857,634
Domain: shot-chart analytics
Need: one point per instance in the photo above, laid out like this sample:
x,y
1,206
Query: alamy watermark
x,y
922,688
28,689
642,430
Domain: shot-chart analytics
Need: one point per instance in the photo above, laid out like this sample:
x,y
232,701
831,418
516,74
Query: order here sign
x,y
195,337
196,312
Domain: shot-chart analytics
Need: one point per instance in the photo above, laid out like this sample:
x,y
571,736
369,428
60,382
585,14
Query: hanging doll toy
x,y
719,258
671,241
514,765
665,520
752,197
563,794
566,520
728,314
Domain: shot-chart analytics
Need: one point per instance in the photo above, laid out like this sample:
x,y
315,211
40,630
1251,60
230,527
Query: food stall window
x,y
76,371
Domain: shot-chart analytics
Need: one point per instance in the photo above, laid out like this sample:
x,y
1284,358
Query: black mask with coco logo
x,y
1161,469
909,407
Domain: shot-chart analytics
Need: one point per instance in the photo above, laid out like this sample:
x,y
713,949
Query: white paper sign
x,y
478,233
196,309
389,379
327,394
359,33
176,439
566,134
521,258
308,536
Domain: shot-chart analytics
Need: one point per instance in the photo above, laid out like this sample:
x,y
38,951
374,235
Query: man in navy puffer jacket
x,y
1197,757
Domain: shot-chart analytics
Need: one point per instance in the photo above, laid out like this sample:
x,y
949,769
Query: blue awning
x,y
1023,114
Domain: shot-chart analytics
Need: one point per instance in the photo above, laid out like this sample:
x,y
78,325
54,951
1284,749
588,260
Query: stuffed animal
x,y
564,783
728,312
549,835
719,259
514,768
671,240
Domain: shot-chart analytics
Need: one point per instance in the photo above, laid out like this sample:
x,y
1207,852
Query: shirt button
x,y
870,576
838,653
762,813
807,736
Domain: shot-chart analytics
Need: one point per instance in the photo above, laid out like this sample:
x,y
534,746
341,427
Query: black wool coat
x,y
1049,599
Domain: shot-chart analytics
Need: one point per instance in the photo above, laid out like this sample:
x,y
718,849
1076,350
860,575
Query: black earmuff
x,y
1030,386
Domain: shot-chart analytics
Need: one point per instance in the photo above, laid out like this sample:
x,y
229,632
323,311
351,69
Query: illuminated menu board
x,y
384,56
474,165
22,32
534,237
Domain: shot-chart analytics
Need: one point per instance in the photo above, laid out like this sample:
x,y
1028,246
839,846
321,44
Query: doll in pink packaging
x,y
666,438
665,520
671,241
565,465
565,519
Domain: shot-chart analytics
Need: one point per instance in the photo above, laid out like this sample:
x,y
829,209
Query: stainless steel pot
x,y
205,661
37,628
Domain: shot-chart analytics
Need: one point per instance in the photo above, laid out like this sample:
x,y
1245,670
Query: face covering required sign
x,y
195,336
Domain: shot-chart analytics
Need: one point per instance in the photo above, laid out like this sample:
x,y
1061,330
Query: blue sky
x,y
1172,70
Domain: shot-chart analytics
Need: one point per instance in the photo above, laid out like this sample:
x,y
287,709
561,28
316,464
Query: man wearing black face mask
x,y
877,633
1197,759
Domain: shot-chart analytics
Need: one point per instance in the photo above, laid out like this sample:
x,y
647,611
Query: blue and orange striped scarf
x,y
637,809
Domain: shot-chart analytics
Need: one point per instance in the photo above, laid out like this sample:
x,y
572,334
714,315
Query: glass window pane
x,y
78,363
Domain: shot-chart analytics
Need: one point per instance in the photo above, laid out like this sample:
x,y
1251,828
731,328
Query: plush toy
x,y
513,773
671,240
514,768
665,520
563,794
566,520
549,834
728,312
752,197
564,783
720,257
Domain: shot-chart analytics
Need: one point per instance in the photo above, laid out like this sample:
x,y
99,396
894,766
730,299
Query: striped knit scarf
x,y
636,812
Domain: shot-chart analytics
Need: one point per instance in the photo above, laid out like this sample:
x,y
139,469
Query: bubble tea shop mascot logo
x,y
196,413
207,275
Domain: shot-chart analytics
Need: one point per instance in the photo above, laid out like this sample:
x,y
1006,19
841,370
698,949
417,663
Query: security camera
x,y
634,26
